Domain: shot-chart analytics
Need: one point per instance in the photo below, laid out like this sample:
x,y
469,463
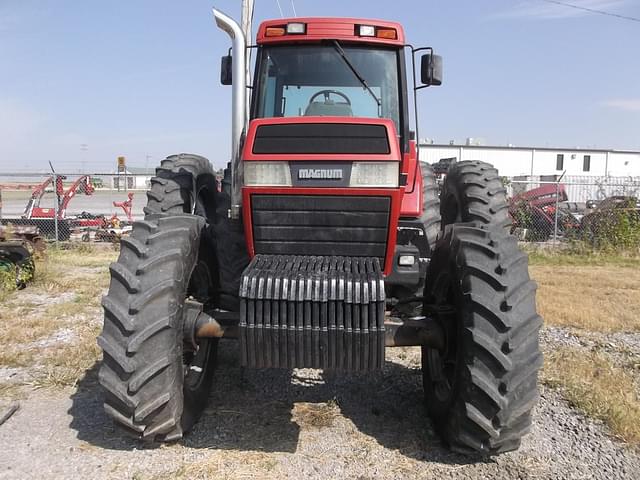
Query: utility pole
x,y
247,20
56,202
83,161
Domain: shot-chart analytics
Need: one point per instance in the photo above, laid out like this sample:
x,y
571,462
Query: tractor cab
x,y
327,148
331,78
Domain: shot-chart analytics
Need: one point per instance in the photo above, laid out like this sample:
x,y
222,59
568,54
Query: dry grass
x,y
590,382
549,257
10,391
316,415
224,464
64,364
591,297
63,301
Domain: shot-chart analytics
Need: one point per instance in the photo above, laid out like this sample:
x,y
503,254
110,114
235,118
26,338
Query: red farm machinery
x,y
33,209
327,242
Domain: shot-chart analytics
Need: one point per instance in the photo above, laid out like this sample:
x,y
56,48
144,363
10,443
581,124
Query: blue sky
x,y
141,78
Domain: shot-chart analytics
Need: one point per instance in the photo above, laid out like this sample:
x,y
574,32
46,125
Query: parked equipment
x,y
63,197
612,219
26,233
126,206
17,245
325,225
534,213
16,259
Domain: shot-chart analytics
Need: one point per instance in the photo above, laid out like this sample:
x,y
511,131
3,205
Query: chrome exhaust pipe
x,y
238,103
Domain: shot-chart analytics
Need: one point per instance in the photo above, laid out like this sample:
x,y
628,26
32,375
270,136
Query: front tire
x,y
481,388
145,382
156,383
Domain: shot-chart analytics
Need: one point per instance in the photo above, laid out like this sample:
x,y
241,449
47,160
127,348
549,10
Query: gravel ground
x,y
621,348
300,424
622,342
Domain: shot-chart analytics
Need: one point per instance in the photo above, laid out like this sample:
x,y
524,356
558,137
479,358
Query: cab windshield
x,y
319,80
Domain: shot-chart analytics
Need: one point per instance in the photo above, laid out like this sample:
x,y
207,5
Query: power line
x,y
280,8
293,6
592,10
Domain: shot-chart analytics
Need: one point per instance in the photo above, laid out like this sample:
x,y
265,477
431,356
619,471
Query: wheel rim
x,y
197,368
197,357
204,204
450,211
443,364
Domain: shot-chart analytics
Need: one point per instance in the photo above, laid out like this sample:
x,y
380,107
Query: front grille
x,y
320,225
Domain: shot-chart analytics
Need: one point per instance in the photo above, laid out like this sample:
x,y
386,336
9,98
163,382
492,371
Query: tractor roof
x,y
320,28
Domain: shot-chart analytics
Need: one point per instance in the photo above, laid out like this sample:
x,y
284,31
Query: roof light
x,y
367,31
389,33
296,28
274,32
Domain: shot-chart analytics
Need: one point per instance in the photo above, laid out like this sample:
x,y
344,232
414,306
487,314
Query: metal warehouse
x,y
540,161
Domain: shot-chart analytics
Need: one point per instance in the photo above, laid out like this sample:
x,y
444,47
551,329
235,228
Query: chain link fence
x,y
61,207
597,210
101,207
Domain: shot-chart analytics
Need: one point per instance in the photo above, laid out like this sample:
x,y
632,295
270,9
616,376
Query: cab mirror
x,y
431,70
225,70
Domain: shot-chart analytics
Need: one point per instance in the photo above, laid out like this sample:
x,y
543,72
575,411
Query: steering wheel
x,y
326,94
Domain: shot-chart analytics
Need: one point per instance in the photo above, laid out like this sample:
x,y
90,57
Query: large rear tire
x,y
473,192
154,387
185,183
430,217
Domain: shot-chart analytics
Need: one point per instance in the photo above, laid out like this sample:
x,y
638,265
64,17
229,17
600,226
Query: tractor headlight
x,y
274,174
375,174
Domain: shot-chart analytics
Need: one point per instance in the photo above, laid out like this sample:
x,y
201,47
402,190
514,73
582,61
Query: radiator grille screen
x,y
320,225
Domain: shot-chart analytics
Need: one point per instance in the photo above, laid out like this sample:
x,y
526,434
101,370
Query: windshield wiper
x,y
339,49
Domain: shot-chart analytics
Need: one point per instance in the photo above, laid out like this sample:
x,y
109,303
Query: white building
x,y
131,179
541,161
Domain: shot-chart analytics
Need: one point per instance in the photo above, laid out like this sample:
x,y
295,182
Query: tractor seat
x,y
328,109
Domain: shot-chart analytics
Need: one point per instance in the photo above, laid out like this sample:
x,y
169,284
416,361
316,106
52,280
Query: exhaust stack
x,y
238,103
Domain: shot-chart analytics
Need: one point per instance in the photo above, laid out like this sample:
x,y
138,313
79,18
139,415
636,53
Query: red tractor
x,y
326,243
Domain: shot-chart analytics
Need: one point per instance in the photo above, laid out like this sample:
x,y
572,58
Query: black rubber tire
x,y
430,217
482,402
147,391
473,192
176,180
172,192
231,246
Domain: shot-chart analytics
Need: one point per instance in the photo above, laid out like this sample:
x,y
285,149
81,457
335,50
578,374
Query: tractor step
x,y
312,312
